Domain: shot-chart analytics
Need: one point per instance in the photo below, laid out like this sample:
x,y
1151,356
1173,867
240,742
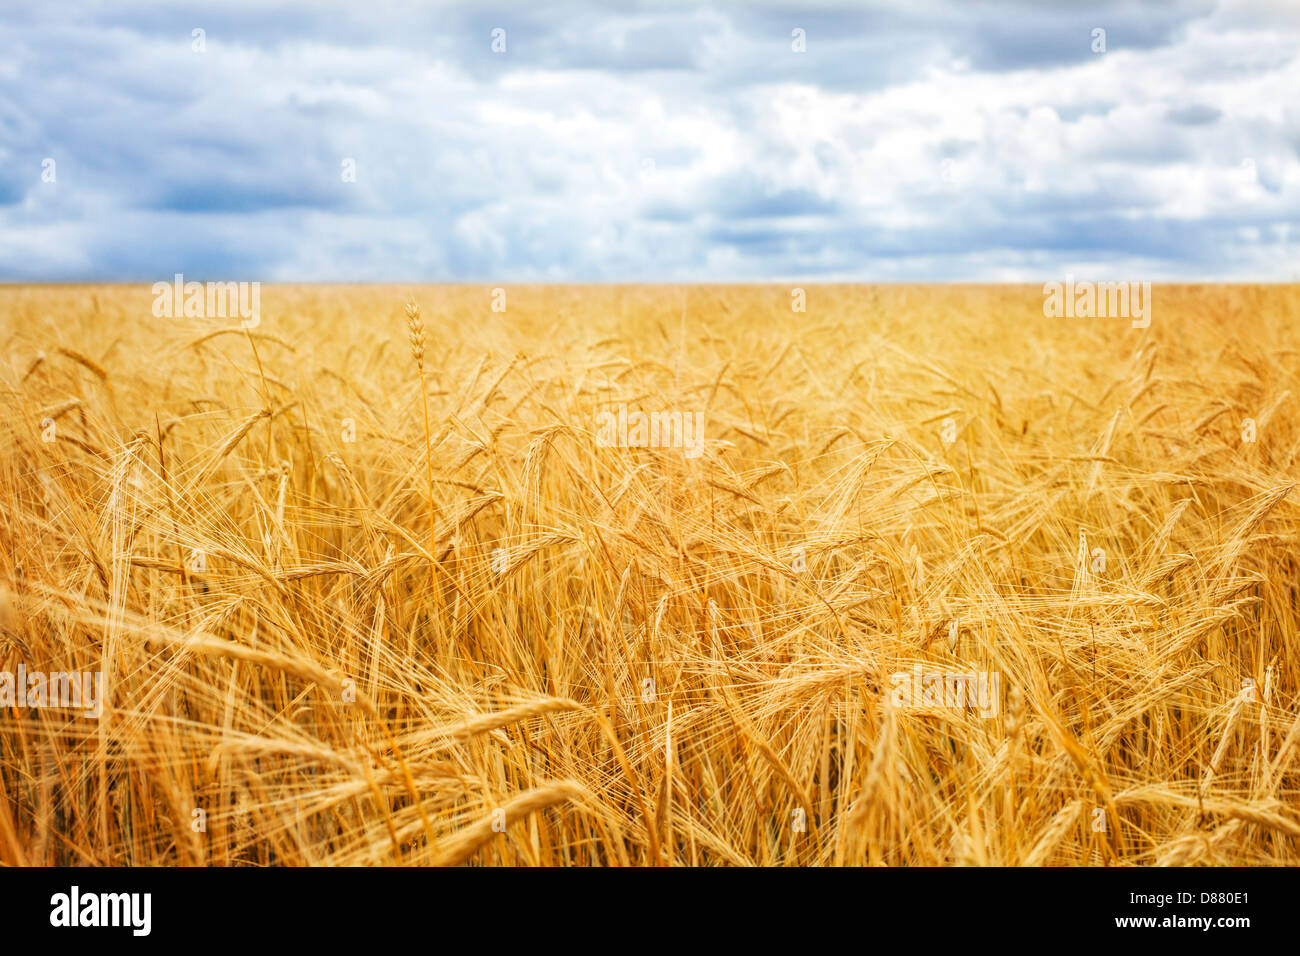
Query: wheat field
x,y
365,587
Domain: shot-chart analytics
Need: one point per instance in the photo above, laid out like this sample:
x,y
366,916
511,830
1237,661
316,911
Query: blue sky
x,y
910,141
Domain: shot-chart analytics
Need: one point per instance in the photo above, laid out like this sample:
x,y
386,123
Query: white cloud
x,y
660,142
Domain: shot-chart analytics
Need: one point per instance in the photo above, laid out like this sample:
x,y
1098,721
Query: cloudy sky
x,y
654,141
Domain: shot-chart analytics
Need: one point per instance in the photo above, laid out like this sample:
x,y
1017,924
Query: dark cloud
x,y
1195,115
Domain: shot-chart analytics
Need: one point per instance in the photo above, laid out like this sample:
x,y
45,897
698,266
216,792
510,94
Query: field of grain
x,y
339,622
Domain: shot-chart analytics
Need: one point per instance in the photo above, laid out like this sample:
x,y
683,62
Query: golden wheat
x,y
347,614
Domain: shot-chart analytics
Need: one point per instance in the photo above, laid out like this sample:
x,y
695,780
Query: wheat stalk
x,y
415,332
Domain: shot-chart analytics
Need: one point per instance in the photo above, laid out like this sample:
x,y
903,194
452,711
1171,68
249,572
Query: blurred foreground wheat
x,y
336,631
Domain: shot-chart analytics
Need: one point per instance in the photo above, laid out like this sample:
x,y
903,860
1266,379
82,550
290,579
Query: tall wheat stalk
x,y
415,332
